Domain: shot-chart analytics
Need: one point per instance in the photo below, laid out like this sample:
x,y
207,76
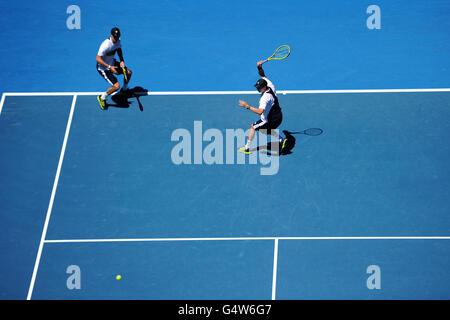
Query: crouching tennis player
x,y
107,65
269,110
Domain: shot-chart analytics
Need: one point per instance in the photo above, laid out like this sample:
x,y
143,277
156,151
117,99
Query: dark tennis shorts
x,y
273,123
108,75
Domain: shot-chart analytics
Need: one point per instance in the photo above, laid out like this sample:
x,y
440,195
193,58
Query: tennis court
x,y
107,192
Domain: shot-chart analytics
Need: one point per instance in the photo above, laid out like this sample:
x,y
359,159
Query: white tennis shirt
x,y
107,51
267,101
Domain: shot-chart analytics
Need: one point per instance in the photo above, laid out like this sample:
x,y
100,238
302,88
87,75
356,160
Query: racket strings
x,y
313,131
281,53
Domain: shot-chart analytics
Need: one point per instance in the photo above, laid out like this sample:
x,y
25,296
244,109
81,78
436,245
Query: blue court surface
x,y
153,188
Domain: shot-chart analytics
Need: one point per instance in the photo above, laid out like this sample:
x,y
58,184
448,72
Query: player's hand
x,y
259,63
114,69
122,64
243,104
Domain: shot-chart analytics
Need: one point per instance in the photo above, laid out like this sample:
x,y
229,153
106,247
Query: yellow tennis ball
x,y
118,277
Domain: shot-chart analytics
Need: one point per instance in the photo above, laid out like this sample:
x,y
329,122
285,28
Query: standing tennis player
x,y
269,111
108,67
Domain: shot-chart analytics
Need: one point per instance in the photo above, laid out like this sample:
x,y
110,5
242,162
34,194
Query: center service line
x,y
275,262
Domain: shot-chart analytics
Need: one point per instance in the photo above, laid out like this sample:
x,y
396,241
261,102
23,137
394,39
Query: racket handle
x,y
265,61
124,70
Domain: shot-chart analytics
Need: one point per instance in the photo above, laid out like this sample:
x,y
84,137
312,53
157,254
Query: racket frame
x,y
124,70
272,56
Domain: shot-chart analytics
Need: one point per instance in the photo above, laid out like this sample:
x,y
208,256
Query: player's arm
x,y
103,63
260,69
99,60
249,107
120,54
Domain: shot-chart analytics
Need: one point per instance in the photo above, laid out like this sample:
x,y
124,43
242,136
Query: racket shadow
x,y
122,98
274,148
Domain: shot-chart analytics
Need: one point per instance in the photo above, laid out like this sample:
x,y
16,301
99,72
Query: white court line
x,y
156,93
275,262
275,239
2,101
75,94
52,198
246,239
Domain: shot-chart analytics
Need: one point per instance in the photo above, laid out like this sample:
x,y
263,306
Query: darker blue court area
x,y
340,269
375,171
31,134
160,271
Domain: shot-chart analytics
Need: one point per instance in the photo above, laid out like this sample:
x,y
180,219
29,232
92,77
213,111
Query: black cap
x,y
115,32
261,83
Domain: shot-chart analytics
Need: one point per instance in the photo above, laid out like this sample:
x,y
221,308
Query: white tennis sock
x,y
275,134
103,96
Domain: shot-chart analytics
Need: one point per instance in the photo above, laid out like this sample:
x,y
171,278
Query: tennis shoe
x,y
244,150
101,102
283,143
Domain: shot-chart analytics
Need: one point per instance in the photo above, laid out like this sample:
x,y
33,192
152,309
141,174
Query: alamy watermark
x,y
74,280
214,147
73,21
374,20
374,280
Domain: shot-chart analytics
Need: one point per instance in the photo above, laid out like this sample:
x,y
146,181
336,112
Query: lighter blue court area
x,y
153,188
203,45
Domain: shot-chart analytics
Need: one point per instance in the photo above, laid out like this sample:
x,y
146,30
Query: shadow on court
x,y
274,148
122,99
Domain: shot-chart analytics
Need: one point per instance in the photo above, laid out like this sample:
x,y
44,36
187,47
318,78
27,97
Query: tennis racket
x,y
309,132
281,53
125,71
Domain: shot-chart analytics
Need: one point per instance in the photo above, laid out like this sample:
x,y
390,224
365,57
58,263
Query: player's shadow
x,y
274,148
124,99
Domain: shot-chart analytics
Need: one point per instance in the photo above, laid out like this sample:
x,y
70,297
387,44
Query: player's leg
x,y
129,74
102,98
271,127
260,124
112,80
281,140
112,89
125,82
274,124
246,149
275,133
251,135
120,72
